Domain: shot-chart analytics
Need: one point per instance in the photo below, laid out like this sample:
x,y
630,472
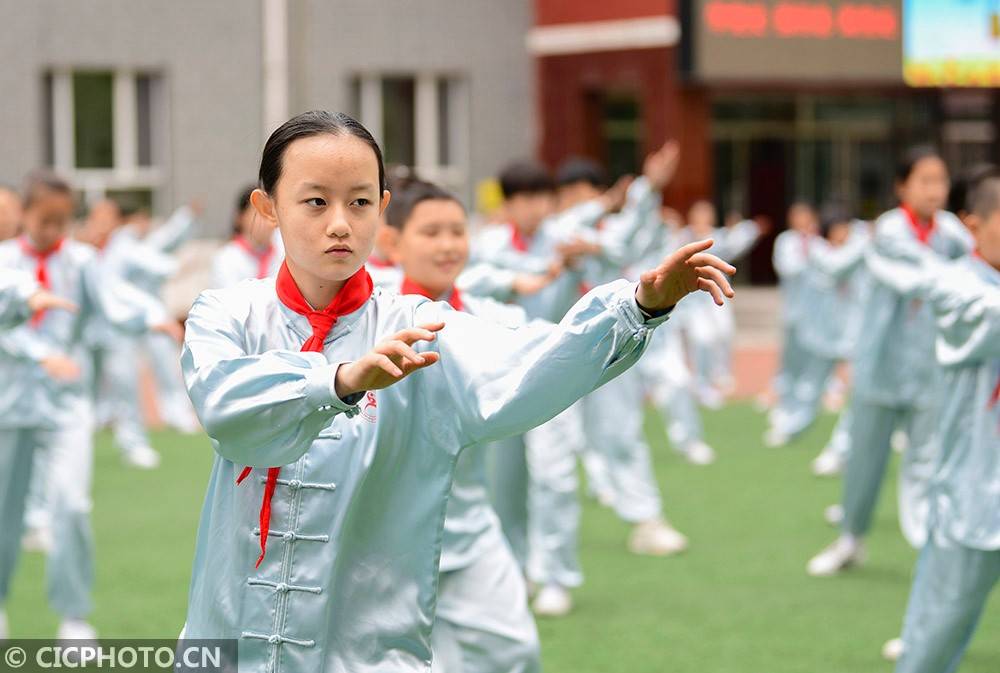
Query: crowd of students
x,y
398,396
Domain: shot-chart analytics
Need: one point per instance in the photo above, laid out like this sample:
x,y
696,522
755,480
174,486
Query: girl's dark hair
x,y
41,181
831,214
910,159
525,177
579,169
309,124
965,185
401,207
242,203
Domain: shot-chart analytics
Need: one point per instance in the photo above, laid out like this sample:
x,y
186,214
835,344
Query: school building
x,y
160,102
771,100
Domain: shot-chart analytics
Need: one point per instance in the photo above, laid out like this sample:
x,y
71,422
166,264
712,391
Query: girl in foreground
x,y
325,422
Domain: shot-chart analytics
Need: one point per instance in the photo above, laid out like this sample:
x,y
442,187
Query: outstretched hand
x,y
660,166
389,362
44,300
687,269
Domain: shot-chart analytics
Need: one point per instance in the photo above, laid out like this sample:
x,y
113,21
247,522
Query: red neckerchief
x,y
517,239
263,257
922,233
379,263
995,396
351,297
412,287
41,268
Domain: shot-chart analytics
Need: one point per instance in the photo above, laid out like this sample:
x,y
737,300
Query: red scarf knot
x,y
41,268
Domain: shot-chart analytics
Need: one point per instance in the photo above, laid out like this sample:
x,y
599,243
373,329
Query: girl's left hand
x,y
684,271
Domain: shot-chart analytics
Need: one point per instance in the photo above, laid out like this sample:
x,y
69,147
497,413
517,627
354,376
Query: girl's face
x,y
839,233
987,234
701,218
327,205
433,246
926,189
528,210
47,219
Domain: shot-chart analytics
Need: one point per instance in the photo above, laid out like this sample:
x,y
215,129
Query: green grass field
x,y
738,602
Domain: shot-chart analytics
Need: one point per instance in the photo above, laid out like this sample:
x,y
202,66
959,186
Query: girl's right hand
x,y
389,362
43,300
61,368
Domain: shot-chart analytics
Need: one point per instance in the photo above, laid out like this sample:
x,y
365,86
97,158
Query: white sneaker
x,y
186,425
656,538
829,463
552,601
37,539
143,458
79,633
4,631
900,441
893,649
710,397
699,453
842,554
834,515
775,438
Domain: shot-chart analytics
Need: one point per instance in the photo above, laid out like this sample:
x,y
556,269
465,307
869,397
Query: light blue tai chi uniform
x,y
510,476
38,413
896,376
350,580
16,288
115,355
960,564
791,259
155,264
832,287
483,623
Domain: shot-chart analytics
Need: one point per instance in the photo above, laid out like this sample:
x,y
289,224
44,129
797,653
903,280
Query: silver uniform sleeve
x,y
259,409
171,234
968,317
124,306
731,243
501,382
16,287
789,259
486,280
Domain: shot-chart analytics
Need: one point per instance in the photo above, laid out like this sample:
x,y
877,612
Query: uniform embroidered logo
x,y
370,406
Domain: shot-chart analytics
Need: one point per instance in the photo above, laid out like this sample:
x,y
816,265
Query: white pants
x,y
115,372
483,623
70,565
669,385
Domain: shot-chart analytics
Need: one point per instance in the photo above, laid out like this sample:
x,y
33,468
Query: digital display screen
x,y
793,40
954,43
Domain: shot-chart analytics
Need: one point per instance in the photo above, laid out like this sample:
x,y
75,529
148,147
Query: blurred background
x,y
160,103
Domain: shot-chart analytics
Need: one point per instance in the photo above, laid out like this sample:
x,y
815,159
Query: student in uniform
x,y
960,564
828,294
483,623
790,258
150,264
342,424
21,297
895,374
46,403
709,333
115,355
252,252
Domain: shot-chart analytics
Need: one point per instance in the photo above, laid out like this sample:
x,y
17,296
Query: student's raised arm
x,y
175,231
968,316
499,382
259,409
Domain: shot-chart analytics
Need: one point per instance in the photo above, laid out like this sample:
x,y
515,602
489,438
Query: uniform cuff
x,y
321,391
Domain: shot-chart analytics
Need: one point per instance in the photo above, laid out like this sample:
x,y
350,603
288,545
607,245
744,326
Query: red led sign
x,y
802,19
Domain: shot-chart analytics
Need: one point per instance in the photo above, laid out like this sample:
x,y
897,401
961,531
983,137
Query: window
x,y
103,130
421,121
